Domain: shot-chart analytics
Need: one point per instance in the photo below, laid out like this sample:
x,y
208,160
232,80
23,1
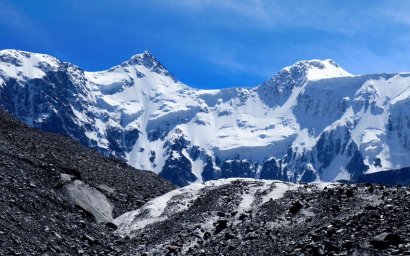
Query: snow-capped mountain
x,y
311,121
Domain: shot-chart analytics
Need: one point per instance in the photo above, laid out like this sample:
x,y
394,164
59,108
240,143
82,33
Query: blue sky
x,y
213,43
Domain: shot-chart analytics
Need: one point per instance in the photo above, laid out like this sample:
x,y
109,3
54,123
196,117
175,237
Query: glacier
x,y
312,121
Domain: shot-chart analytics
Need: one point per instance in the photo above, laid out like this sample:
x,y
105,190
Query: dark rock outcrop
x,y
38,217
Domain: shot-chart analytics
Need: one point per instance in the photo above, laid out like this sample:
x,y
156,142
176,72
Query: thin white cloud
x,y
253,9
10,17
398,12
316,14
229,60
22,26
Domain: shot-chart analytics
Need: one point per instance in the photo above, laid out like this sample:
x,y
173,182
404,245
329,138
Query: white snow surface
x,y
319,69
238,123
27,65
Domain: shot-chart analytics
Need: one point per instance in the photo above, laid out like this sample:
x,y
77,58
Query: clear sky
x,y
213,43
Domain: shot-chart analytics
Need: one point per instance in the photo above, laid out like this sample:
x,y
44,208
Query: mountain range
x,y
312,121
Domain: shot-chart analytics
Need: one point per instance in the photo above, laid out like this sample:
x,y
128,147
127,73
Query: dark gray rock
x,y
383,240
295,207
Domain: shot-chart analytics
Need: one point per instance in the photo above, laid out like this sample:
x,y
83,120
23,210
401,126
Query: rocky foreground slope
x,y
57,197
260,217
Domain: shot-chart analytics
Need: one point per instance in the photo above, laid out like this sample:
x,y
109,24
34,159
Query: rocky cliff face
x,y
311,121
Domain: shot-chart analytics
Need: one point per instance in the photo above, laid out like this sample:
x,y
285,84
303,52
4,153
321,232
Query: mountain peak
x,y
144,55
316,69
298,74
147,60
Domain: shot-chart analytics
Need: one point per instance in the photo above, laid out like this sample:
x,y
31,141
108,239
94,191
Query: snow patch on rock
x,y
90,199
